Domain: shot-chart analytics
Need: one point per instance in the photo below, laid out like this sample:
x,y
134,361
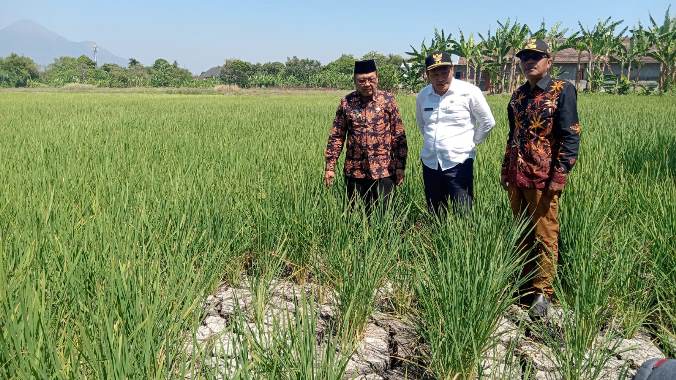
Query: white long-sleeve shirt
x,y
452,125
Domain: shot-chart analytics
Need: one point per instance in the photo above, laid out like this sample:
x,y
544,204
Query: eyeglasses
x,y
367,80
534,56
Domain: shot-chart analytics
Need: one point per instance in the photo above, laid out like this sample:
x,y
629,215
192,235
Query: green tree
x,y
556,38
382,59
395,60
161,73
557,41
388,77
302,69
496,47
600,42
469,50
639,44
236,71
663,40
133,62
412,73
139,76
579,43
116,76
517,34
86,62
388,69
17,71
63,70
343,65
271,68
164,74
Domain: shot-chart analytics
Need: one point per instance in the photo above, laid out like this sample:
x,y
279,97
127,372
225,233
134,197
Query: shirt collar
x,y
374,98
544,82
451,88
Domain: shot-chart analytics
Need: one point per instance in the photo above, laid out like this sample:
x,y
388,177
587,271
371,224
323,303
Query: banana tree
x,y
557,40
599,42
413,68
577,42
496,47
517,35
637,49
467,48
613,45
663,40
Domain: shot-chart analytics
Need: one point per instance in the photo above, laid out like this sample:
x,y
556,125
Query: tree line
x,y
19,71
490,58
493,54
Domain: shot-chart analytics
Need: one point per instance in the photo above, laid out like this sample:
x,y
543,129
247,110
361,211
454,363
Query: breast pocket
x,y
357,120
456,111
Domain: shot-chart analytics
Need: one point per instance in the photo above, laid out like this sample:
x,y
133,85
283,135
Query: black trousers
x,y
369,191
456,184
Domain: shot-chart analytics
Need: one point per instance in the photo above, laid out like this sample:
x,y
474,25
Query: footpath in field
x,y
236,321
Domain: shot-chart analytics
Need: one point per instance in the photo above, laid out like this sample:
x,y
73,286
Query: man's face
x,y
535,65
440,78
366,84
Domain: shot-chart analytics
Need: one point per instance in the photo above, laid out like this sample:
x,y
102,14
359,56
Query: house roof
x,y
569,55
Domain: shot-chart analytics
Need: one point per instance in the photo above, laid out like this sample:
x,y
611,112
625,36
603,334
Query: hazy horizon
x,y
205,33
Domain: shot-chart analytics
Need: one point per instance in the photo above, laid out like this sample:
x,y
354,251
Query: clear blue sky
x,y
202,33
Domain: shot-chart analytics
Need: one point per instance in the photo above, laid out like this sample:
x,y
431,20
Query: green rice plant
x,y
466,282
290,348
120,212
659,227
593,266
361,261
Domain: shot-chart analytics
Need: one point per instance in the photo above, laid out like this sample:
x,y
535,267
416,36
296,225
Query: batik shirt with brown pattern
x,y
544,135
376,140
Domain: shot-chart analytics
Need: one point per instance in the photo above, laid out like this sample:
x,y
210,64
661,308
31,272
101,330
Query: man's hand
x,y
329,176
399,177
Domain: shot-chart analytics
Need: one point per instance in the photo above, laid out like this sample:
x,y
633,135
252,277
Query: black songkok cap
x,y
438,58
364,67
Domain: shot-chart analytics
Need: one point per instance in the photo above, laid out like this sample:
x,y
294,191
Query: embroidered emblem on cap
x,y
437,57
531,44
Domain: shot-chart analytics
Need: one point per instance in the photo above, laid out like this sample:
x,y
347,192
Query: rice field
x,y
120,213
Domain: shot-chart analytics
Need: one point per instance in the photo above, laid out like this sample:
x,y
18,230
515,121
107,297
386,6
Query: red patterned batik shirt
x,y
376,140
544,135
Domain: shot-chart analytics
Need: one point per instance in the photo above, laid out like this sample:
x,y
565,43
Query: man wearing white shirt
x,y
453,118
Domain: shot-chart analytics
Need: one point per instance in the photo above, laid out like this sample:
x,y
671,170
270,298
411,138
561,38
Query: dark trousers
x,y
456,184
369,191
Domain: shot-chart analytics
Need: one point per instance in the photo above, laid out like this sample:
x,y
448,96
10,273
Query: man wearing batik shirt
x,y
542,147
376,149
453,118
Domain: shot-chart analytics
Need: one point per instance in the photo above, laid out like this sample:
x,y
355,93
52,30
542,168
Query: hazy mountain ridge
x,y
31,39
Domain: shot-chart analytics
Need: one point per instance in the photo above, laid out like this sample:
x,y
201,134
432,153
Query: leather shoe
x,y
539,307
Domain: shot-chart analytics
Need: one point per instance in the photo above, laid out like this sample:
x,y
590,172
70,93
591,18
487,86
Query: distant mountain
x,y
211,73
33,40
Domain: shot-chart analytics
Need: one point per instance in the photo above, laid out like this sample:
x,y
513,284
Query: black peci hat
x,y
364,67
538,46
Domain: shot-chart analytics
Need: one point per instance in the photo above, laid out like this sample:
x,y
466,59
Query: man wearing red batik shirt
x,y
542,147
369,120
